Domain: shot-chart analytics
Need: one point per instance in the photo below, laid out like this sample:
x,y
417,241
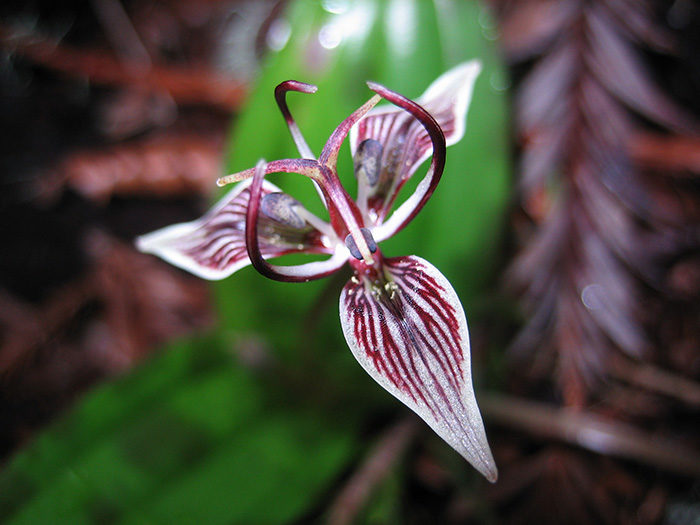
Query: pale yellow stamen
x,y
235,177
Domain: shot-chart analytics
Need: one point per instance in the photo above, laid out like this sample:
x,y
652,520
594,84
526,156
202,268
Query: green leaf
x,y
210,445
383,507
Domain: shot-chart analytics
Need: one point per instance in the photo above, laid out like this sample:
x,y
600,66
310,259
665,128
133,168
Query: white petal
x,y
409,332
213,246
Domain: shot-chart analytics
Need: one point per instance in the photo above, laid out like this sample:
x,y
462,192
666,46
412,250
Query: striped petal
x,y
213,247
404,140
408,331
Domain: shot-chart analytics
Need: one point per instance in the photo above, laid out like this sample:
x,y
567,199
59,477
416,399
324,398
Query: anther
x,y
280,208
352,245
368,161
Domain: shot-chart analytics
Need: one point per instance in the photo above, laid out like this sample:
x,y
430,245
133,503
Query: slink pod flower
x,y
400,316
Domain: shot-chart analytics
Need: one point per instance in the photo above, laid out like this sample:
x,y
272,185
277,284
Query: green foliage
x,y
383,508
191,435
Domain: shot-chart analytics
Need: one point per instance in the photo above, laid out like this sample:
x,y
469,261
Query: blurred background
x,y
567,221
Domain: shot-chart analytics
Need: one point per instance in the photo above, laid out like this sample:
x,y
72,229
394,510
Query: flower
x,y
400,316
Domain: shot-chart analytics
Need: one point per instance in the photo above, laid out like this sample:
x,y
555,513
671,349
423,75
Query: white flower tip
x,y
472,444
459,78
472,68
144,243
492,474
486,465
464,74
163,243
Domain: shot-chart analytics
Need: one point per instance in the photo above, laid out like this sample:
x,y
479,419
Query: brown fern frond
x,y
178,164
189,84
596,235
